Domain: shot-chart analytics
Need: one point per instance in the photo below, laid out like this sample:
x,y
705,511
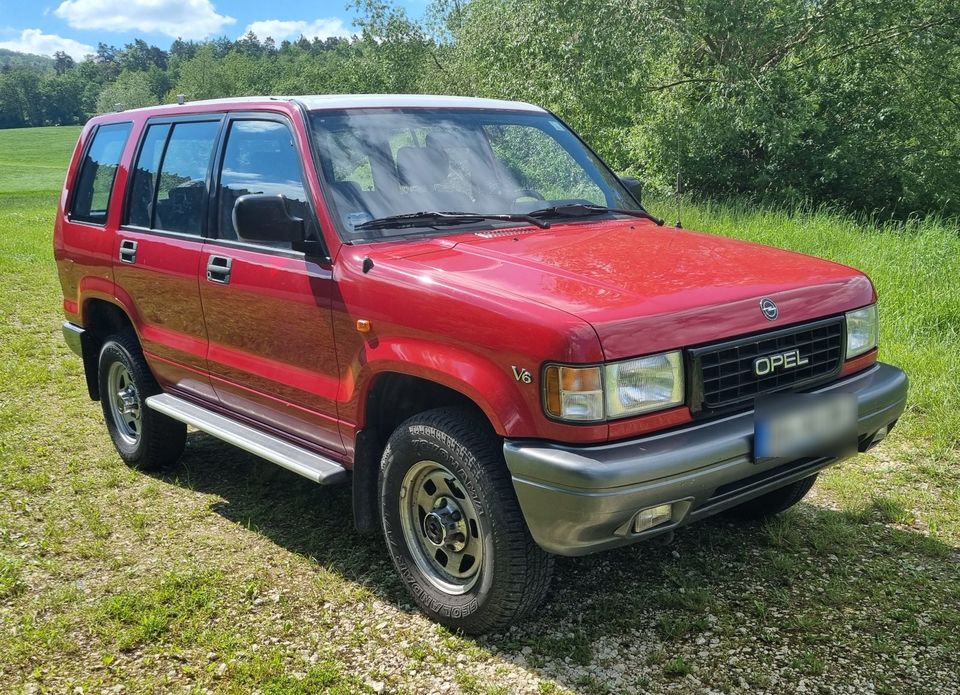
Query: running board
x,y
292,457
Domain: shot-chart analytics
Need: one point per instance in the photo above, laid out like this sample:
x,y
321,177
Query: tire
x,y
454,452
144,438
774,502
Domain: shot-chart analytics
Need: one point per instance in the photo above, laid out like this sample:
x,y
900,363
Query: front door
x,y
158,249
267,307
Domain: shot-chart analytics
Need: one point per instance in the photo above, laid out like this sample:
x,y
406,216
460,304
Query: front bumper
x,y
578,500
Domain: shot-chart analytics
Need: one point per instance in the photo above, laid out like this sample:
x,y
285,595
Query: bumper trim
x,y
577,500
73,336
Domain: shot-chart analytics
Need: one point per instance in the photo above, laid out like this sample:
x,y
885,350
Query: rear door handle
x,y
218,269
128,251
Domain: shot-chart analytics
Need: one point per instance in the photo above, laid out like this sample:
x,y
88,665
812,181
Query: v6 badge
x,y
523,375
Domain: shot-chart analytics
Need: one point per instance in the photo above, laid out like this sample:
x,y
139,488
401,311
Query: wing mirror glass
x,y
263,217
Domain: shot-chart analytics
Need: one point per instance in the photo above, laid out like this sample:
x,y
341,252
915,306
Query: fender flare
x,y
89,340
476,377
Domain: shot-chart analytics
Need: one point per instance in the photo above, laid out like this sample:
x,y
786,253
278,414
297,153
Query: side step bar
x,y
294,458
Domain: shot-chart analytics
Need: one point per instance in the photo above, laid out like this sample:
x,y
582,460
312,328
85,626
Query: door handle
x,y
218,269
128,251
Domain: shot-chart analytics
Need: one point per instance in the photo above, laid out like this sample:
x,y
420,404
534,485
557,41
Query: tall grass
x,y
916,269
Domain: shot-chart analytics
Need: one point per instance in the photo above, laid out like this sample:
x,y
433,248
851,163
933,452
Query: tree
x,y
62,62
131,90
11,109
202,76
847,101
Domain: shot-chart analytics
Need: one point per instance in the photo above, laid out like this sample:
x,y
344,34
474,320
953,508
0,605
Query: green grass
x,y
35,159
231,575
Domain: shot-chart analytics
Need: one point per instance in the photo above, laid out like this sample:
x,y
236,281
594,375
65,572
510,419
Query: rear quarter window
x,y
94,183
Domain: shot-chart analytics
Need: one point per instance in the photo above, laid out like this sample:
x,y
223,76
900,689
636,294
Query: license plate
x,y
799,425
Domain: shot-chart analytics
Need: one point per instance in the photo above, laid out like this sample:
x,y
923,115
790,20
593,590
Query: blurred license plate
x,y
799,425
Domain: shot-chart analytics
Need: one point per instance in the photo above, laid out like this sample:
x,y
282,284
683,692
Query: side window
x,y
91,198
182,187
260,157
533,160
143,185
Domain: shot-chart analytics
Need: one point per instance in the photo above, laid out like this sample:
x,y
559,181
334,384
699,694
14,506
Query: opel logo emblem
x,y
769,309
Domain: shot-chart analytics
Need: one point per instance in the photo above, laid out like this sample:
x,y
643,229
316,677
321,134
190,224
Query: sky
x,y
76,26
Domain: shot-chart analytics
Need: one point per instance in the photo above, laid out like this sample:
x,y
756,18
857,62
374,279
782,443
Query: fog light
x,y
652,516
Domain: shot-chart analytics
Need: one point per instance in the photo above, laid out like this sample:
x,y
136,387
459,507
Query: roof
x,y
360,101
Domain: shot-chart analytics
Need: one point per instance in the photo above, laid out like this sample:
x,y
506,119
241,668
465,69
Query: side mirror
x,y
632,184
263,217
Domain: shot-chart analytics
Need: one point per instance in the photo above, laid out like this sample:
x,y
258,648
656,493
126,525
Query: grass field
x,y
230,575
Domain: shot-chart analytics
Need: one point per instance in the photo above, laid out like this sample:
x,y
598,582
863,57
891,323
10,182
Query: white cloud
x,y
280,29
188,19
36,42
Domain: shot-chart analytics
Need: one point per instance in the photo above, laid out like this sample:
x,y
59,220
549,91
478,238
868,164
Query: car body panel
x,y
161,292
646,288
83,252
484,338
271,352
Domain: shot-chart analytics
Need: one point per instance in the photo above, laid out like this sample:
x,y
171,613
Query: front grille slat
x,y
726,369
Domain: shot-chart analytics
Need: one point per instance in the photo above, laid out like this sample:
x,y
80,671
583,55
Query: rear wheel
x,y
453,525
145,439
774,502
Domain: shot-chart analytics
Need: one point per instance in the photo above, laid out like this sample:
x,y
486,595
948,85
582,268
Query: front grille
x,y
724,375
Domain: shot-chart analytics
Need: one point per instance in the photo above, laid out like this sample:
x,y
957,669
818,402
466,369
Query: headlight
x,y
617,390
863,330
644,384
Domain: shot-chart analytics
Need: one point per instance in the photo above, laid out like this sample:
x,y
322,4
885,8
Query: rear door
x,y
267,306
158,251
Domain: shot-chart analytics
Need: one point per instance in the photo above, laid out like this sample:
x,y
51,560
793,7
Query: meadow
x,y
230,575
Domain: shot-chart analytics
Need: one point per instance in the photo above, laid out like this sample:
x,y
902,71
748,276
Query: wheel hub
x,y
444,527
128,399
124,402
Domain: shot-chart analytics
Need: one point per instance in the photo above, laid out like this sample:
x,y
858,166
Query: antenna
x,y
677,131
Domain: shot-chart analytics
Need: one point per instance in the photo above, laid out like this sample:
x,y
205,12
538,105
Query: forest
x,y
850,104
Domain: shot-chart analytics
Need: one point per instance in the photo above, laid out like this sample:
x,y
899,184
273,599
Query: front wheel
x,y
144,438
453,524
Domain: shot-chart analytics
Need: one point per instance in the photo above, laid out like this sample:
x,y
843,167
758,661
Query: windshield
x,y
379,163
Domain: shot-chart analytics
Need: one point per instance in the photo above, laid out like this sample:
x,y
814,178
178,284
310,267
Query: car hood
x,y
646,288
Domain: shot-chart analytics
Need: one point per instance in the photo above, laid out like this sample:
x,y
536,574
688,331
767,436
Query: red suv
x,y
455,306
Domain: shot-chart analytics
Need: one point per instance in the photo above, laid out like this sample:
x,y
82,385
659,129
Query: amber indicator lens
x,y
579,379
573,393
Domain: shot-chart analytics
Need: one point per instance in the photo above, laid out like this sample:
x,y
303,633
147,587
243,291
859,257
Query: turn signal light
x,y
573,393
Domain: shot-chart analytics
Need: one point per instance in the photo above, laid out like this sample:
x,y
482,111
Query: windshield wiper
x,y
584,210
415,219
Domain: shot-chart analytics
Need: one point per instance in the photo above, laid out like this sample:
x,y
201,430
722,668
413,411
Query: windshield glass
x,y
379,163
